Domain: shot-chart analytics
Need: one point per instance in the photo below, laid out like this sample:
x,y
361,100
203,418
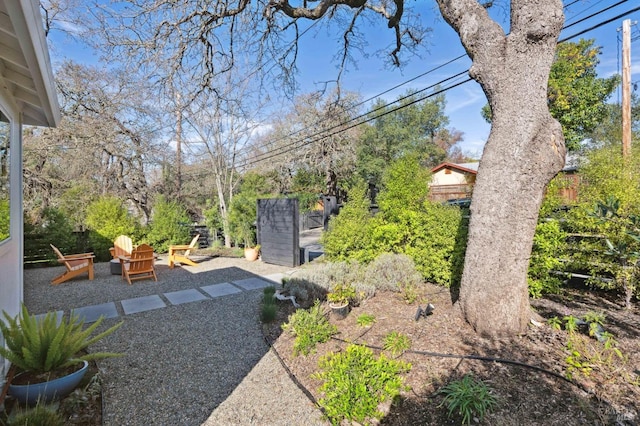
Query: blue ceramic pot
x,y
48,391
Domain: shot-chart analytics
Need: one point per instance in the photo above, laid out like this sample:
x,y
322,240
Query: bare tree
x,y
104,143
317,135
525,148
220,129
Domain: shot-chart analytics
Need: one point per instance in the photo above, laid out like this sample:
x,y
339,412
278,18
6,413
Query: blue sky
x,y
464,102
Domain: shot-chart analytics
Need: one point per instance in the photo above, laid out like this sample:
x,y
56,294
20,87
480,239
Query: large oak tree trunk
x,y
524,151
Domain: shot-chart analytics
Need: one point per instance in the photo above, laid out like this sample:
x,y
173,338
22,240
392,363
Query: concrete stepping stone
x,y
185,296
142,304
217,290
92,313
253,283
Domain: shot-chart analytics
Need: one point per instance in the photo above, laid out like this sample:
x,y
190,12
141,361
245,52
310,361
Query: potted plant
x,y
339,298
252,253
47,354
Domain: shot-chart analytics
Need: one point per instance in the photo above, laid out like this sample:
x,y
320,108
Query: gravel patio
x,y
193,347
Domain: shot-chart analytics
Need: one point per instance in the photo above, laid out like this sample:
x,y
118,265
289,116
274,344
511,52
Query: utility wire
x,y
438,67
301,143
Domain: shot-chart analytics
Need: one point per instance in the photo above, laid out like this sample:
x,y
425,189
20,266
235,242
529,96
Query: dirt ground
x,y
536,393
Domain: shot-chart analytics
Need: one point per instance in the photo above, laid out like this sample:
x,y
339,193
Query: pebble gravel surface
x,y
199,363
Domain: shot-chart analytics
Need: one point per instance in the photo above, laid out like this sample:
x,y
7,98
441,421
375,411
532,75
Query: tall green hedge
x,y
407,223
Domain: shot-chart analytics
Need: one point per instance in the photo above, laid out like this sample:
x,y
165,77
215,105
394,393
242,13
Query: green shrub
x,y
391,272
4,218
47,344
310,328
549,245
107,218
53,228
355,383
396,343
40,415
365,320
169,225
268,312
468,398
407,223
347,237
608,200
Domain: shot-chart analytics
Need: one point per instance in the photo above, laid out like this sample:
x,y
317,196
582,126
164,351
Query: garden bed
x,y
538,394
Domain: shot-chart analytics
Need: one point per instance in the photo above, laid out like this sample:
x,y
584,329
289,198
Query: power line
x,y
309,142
433,69
276,152
322,131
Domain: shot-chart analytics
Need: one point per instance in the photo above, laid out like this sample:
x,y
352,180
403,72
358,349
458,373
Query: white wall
x,y
11,273
453,178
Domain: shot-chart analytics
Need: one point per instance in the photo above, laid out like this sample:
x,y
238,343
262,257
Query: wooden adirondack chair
x,y
75,264
140,265
180,253
122,246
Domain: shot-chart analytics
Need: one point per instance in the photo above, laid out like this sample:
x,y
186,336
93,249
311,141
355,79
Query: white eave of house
x,y
25,68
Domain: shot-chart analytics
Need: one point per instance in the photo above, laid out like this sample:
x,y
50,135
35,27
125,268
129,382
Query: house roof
x,y
25,68
471,168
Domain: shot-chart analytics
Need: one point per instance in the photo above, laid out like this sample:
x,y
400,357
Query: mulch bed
x,y
536,395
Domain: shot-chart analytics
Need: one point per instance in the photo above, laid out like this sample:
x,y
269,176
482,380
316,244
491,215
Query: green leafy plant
x,y
169,225
623,242
40,414
555,323
468,398
396,343
570,323
269,308
365,320
341,294
310,328
107,218
268,312
549,242
45,345
355,383
409,292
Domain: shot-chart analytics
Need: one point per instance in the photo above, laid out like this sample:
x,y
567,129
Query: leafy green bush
x,y
365,320
549,244
107,218
468,398
4,218
592,221
169,225
347,237
407,223
40,414
310,328
396,343
45,345
53,228
355,383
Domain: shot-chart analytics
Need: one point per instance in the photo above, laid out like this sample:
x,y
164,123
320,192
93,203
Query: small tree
x,y
106,219
169,225
622,237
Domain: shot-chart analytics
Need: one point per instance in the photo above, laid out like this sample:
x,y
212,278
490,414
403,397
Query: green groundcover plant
x,y
355,382
310,328
468,398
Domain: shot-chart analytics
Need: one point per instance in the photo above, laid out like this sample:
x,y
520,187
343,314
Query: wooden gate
x,y
278,231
